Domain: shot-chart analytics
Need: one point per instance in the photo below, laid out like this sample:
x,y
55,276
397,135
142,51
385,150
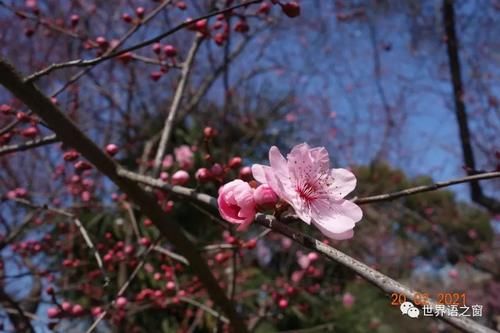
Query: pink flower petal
x,y
335,217
278,162
344,182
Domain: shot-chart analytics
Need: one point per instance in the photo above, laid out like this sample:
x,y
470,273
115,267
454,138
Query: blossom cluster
x,y
304,181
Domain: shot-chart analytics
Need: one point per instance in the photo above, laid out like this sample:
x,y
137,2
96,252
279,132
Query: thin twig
x,y
72,136
425,188
205,308
110,53
176,102
125,285
47,140
114,53
171,254
80,227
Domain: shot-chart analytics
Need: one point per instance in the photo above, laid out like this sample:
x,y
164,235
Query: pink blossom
x,y
236,203
121,302
184,156
303,260
168,161
348,300
180,177
315,191
265,197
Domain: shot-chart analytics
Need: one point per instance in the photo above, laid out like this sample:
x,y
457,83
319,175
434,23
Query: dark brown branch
x,y
452,47
19,319
47,140
71,135
425,188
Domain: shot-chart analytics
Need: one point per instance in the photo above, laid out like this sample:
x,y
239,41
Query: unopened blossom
x,y
316,192
184,156
265,197
180,177
167,162
236,203
348,300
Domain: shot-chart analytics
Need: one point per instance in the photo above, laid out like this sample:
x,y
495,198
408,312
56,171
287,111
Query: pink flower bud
x,y
164,176
157,48
70,155
170,51
168,161
112,149
96,311
235,162
77,310
264,197
180,177
170,285
313,256
30,132
283,303
184,156
246,173
82,166
264,8
348,300
156,75
209,132
74,19
5,109
121,302
139,11
66,306
127,18
101,41
236,203
217,170
181,5
53,312
203,175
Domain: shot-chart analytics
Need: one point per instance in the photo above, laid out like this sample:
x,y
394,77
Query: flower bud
x,y
170,51
203,175
180,177
264,197
111,149
291,9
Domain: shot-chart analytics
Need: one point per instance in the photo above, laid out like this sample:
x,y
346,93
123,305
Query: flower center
x,y
307,192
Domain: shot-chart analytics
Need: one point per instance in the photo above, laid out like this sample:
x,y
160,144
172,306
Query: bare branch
x,y
425,188
174,108
71,135
113,54
476,191
80,227
378,279
47,140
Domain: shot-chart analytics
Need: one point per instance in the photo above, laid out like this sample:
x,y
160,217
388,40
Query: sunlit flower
x,y
316,192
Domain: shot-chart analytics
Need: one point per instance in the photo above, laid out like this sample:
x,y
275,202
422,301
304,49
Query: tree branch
x,y
174,108
47,140
425,188
71,135
378,279
113,54
476,191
